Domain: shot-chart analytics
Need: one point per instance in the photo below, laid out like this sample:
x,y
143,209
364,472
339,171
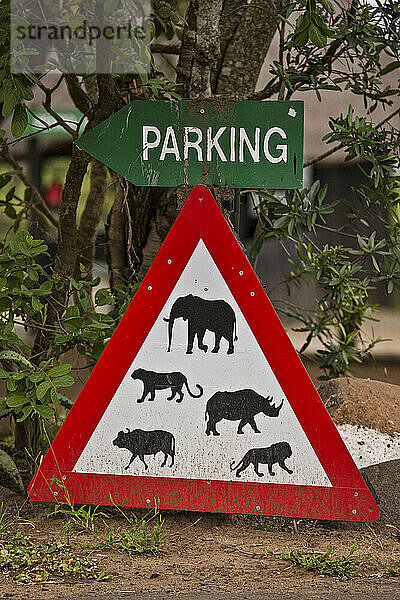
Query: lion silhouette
x,y
277,453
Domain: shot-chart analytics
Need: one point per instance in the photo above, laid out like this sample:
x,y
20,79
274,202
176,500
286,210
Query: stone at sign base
x,y
367,416
384,479
363,402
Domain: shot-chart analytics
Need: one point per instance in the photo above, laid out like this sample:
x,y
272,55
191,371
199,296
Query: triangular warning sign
x,y
199,401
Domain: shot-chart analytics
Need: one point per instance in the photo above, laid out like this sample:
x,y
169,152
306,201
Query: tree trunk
x,y
244,49
116,242
90,219
65,259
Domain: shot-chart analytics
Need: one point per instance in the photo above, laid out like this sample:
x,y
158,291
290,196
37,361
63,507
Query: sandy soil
x,y
205,552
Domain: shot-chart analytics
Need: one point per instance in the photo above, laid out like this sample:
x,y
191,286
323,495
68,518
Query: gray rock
x,y
384,482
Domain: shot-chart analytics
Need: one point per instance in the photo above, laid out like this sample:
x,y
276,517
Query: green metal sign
x,y
227,144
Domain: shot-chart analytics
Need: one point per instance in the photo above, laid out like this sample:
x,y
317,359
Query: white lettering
x,y
146,144
281,147
192,143
212,142
233,145
244,139
173,149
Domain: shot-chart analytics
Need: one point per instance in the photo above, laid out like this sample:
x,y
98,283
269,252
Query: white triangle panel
x,y
197,455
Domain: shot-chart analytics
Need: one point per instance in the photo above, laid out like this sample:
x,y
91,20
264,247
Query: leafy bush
x,y
35,383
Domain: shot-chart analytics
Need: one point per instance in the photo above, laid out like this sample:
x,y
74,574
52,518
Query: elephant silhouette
x,y
202,315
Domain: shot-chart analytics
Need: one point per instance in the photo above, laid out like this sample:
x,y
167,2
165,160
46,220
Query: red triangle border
x,y
348,499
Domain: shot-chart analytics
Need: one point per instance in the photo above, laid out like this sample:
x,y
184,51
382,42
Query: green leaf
x,y
317,36
36,377
26,411
54,396
10,211
16,357
5,303
302,23
103,297
42,389
390,67
33,274
8,466
164,12
11,384
36,304
281,222
73,324
44,411
45,288
5,179
328,6
16,400
24,89
300,39
64,381
257,245
72,311
19,120
59,370
11,99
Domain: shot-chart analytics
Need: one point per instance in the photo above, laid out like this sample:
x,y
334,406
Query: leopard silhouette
x,y
153,381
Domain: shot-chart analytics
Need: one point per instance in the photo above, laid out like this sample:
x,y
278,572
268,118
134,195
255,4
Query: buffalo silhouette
x,y
142,443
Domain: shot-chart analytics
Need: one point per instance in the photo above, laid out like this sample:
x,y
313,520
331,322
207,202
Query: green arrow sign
x,y
227,144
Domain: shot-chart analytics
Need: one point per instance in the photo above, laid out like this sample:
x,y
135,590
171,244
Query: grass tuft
x,y
323,563
27,561
142,535
85,517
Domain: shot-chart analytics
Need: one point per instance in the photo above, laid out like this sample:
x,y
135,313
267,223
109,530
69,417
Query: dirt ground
x,y
210,553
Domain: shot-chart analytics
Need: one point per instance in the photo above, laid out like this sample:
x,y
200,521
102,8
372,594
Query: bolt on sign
x,y
221,143
199,401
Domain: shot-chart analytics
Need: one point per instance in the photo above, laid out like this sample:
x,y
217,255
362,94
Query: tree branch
x,y
37,197
165,48
47,105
